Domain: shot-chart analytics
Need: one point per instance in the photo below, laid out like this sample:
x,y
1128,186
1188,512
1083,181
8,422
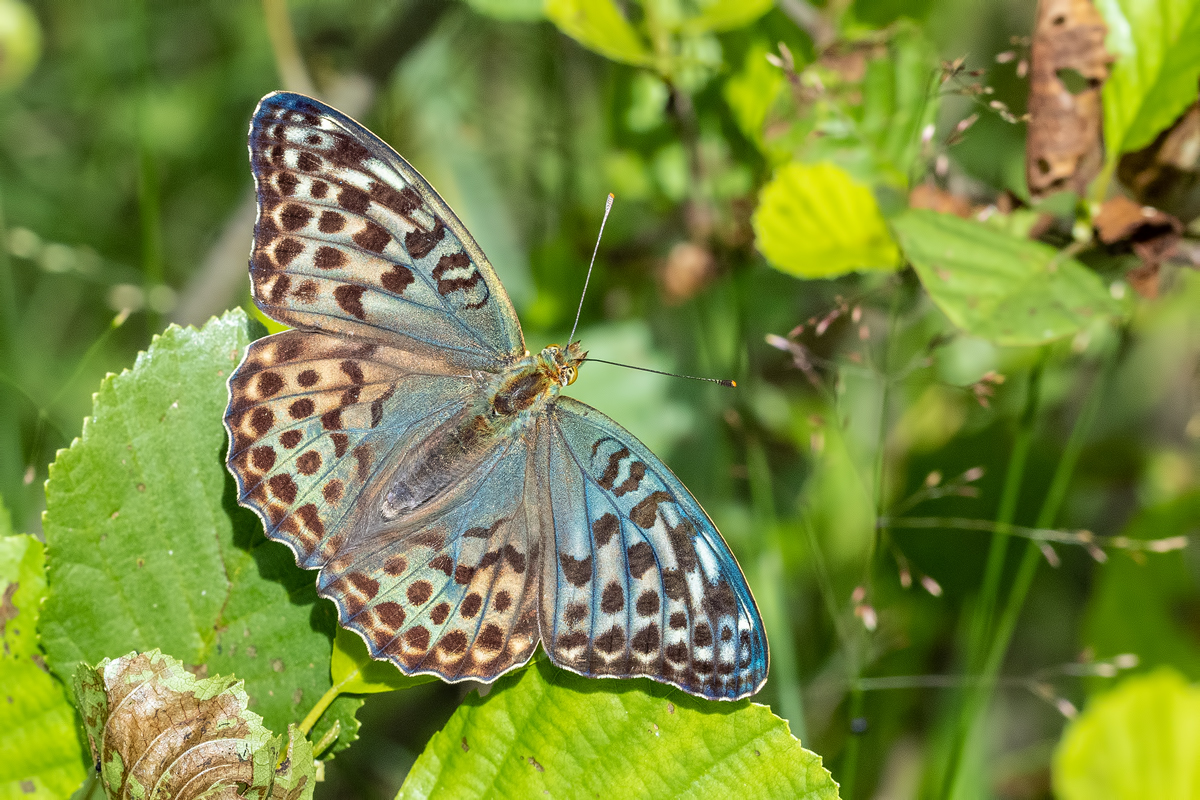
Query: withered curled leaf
x,y
1166,172
1150,233
1064,149
156,732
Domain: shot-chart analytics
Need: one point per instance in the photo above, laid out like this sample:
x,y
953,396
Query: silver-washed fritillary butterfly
x,y
402,441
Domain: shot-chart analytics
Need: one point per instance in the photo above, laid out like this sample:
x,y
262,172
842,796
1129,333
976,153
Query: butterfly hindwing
x,y
636,580
351,239
453,590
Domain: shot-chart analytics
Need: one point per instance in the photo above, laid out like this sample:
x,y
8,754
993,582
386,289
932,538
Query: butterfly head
x,y
563,363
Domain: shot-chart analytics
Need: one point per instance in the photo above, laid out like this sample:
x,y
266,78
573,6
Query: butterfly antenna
x,y
607,208
722,381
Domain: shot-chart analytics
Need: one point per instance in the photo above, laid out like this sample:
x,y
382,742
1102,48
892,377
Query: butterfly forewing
x,y
638,581
351,239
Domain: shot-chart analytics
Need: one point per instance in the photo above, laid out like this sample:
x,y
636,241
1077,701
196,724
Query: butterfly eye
x,y
570,374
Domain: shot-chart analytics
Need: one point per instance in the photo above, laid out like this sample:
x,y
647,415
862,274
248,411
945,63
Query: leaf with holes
x,y
40,756
546,731
998,287
148,549
155,730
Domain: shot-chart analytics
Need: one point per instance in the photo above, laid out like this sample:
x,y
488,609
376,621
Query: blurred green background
x,y
126,204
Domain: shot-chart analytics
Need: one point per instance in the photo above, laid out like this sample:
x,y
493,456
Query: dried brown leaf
x,y
156,731
1064,149
1165,172
1151,234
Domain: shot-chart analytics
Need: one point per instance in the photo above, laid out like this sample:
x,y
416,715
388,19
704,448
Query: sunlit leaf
x,y
815,221
512,10
547,731
751,92
1155,75
1137,741
354,671
1010,291
147,548
726,15
157,731
40,755
599,26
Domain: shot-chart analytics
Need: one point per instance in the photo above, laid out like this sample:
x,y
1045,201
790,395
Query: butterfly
x,y
401,440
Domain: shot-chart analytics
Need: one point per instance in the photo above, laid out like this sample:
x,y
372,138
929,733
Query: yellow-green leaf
x,y
354,671
599,26
727,15
1140,740
815,221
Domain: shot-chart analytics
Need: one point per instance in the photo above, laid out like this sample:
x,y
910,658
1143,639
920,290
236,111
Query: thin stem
x,y
314,714
1029,561
292,72
772,596
982,619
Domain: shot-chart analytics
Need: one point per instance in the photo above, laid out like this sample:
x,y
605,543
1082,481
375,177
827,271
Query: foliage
x,y
1141,739
959,469
542,730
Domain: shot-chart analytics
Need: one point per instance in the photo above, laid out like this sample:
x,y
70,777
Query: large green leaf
x,y
815,221
155,730
1011,291
148,549
40,755
1140,740
1157,47
545,731
599,26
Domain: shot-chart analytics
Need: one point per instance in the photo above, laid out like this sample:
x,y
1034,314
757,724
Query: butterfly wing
x,y
351,239
316,423
636,580
312,421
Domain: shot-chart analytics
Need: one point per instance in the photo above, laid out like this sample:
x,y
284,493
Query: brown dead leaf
x,y
1064,149
1165,172
928,195
688,268
1150,233
157,732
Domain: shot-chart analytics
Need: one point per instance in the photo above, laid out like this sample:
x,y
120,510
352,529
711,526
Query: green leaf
x,y
40,754
751,92
1140,740
599,26
1134,607
727,15
545,731
509,10
1155,75
353,670
148,548
340,724
1010,291
156,730
815,221
295,775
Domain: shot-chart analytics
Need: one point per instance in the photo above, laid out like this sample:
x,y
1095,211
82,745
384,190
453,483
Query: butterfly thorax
x,y
508,404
